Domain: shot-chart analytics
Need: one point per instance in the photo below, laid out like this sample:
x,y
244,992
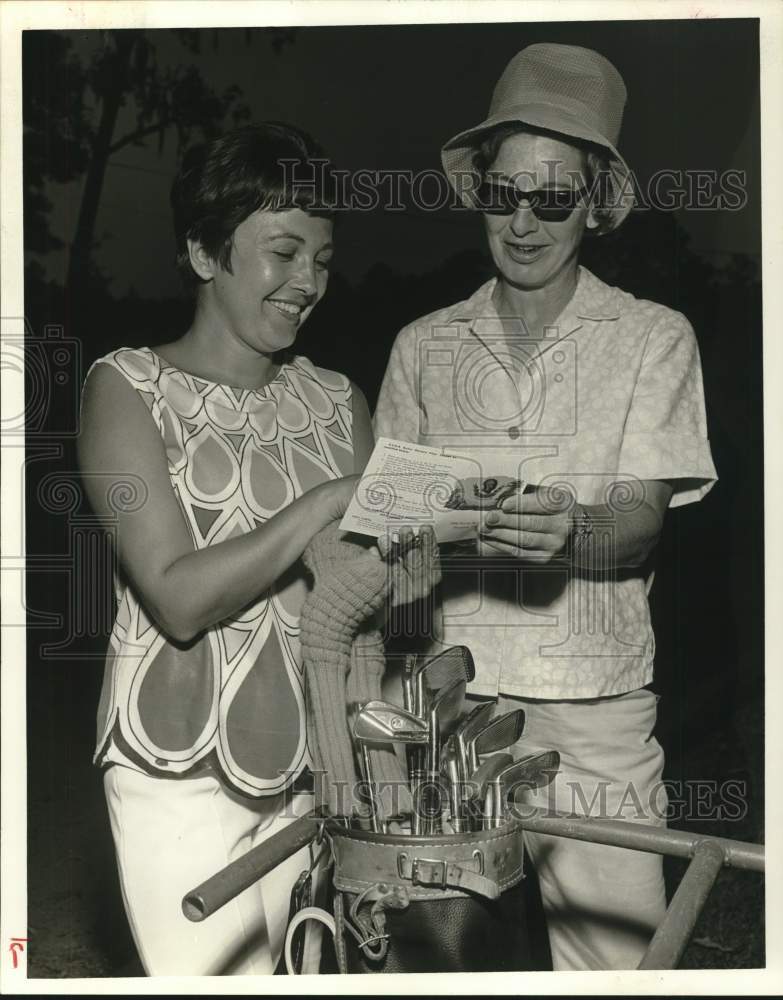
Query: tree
x,y
71,110
57,128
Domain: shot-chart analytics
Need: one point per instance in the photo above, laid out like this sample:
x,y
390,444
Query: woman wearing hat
x,y
597,397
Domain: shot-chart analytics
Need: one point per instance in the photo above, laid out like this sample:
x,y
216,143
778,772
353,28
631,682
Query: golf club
x,y
503,731
534,771
466,729
381,722
408,680
439,671
427,677
444,712
478,782
450,767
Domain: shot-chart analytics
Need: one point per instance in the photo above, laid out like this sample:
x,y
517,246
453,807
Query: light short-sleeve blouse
x,y
612,392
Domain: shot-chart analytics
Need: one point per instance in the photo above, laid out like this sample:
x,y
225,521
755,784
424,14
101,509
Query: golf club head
x,y
444,712
467,728
478,782
501,732
452,664
533,771
382,722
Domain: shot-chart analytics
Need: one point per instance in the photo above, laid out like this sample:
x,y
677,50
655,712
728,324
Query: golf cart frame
x,y
708,855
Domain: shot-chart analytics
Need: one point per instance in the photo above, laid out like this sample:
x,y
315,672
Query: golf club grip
x,y
224,885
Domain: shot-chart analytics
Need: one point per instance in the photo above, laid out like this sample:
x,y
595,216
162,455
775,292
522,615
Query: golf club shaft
x,y
408,682
416,781
488,812
453,777
433,803
368,778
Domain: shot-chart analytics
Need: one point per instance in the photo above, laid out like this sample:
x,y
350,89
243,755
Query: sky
x,y
387,97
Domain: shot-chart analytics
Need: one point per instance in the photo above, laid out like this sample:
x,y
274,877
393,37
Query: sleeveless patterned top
x,y
236,693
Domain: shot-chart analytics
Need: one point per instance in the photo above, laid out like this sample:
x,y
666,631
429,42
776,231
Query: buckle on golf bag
x,y
485,862
436,863
442,874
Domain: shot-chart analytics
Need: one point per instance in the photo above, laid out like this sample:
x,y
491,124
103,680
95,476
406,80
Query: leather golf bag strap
x,y
483,863
417,904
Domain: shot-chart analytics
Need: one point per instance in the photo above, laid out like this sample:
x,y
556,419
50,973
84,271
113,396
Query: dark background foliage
x,y
106,117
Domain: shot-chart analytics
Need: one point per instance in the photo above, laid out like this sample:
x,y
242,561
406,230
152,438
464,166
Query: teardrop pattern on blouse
x,y
263,718
173,387
184,679
212,472
266,486
308,469
219,408
236,457
335,444
293,416
134,365
314,397
262,421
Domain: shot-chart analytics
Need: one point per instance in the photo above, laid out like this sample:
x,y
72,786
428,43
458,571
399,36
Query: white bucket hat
x,y
565,89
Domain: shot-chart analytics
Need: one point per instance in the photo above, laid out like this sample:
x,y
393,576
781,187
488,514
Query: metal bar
x,y
637,836
674,931
224,885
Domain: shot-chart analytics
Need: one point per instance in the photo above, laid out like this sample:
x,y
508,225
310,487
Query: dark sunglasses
x,y
546,204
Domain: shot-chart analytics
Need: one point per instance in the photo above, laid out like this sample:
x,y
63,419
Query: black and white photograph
x,y
246,246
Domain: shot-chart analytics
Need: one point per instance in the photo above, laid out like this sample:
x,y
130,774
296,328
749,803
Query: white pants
x,y
602,904
172,834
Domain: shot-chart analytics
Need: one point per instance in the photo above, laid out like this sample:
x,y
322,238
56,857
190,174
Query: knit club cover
x,y
344,662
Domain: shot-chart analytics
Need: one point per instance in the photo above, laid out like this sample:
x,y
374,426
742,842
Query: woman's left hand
x,y
524,528
417,570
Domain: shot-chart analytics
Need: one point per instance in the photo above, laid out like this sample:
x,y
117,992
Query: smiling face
x,y
279,271
530,253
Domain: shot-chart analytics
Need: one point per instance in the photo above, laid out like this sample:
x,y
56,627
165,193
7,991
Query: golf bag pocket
x,y
448,903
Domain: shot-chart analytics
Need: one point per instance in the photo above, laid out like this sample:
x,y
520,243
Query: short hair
x,y
596,164
223,181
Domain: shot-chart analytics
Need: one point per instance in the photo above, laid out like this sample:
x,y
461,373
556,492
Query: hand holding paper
x,y
409,484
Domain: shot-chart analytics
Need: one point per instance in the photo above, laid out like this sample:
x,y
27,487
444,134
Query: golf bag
x,y
445,903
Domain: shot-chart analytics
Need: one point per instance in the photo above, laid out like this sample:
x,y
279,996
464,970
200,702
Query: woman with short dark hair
x,y
239,452
253,168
